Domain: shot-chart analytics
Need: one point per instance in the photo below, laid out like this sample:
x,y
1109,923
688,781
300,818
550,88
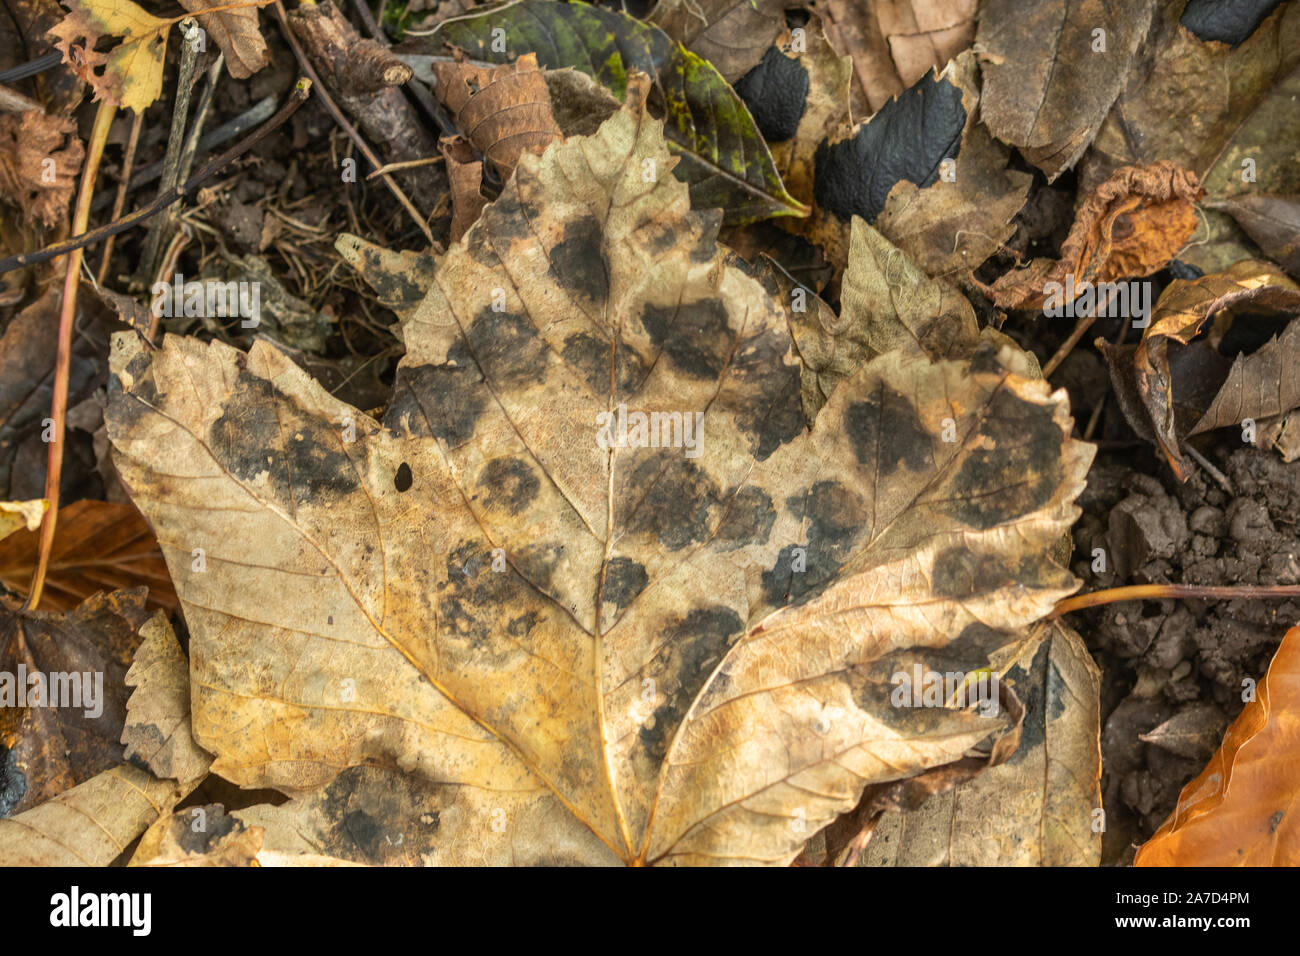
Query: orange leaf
x,y
1244,808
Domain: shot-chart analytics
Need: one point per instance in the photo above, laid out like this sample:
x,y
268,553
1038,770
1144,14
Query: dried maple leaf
x,y
504,111
1240,810
1130,226
89,825
62,699
527,647
41,189
236,32
131,74
1038,94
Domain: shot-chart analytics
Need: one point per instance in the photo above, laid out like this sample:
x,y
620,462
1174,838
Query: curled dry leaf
x,y
90,825
1240,810
1179,315
157,731
1039,807
504,111
733,35
530,643
40,158
236,32
465,174
98,546
1130,226
1031,99
62,699
894,43
130,75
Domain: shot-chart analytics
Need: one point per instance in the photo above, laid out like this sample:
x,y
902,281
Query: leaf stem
x,y
63,363
1140,592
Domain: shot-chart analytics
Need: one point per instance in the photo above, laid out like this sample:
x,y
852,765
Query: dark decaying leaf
x,y
1273,222
731,34
1207,105
1263,384
235,31
723,157
1040,807
78,661
1052,69
649,675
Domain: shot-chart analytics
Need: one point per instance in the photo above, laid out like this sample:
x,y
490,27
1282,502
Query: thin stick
x,y
342,120
123,184
1155,592
163,200
405,164
1219,477
171,173
63,362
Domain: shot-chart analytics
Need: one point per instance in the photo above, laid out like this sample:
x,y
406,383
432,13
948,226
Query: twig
x,y
417,90
405,164
171,173
1156,592
163,200
63,362
342,120
1219,477
124,183
191,146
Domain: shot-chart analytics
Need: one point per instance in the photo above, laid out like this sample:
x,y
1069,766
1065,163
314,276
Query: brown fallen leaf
x,y
1179,315
504,111
1206,105
1261,385
157,730
236,32
90,825
681,659
40,159
1240,810
1130,226
1273,222
98,546
730,34
1039,808
62,699
466,176
1031,99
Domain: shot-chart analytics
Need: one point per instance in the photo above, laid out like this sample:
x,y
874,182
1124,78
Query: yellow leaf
x,y
132,71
